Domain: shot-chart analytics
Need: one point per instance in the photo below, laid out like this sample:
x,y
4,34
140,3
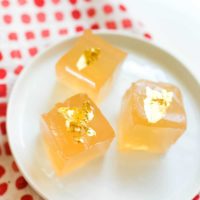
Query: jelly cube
x,y
75,132
152,117
89,66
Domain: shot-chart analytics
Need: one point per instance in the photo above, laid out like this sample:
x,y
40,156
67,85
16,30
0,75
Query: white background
x,y
175,25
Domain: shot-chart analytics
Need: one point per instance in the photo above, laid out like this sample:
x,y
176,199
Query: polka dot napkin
x,y
28,26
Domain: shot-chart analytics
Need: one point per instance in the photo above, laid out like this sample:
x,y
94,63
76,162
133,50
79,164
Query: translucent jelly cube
x,y
152,117
90,65
75,132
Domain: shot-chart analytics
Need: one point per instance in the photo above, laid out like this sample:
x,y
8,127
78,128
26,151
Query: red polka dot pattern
x,y
108,9
26,197
22,2
79,28
3,188
91,12
26,18
111,25
45,33
3,90
122,7
126,23
55,1
3,109
148,36
76,14
73,1
39,3
14,167
33,51
2,171
7,149
197,197
59,16
35,25
63,31
41,17
5,3
12,36
1,56
3,128
29,35
95,26
20,183
7,19
18,69
15,54
2,73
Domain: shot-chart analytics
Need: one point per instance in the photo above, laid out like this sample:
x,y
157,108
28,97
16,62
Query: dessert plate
x,y
116,176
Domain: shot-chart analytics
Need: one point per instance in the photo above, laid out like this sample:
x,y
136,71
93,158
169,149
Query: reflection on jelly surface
x,y
152,117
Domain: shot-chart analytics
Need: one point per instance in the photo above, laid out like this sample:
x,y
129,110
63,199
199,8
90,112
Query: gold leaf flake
x,y
91,132
89,56
79,139
77,119
156,104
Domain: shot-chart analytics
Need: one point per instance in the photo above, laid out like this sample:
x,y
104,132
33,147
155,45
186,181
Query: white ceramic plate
x,y
116,176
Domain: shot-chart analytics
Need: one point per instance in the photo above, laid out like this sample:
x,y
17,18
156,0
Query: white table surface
x,y
175,25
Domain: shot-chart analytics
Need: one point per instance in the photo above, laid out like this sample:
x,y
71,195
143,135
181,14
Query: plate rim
x,y
120,33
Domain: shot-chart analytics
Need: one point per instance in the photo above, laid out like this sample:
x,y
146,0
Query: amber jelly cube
x,y
89,66
152,117
75,132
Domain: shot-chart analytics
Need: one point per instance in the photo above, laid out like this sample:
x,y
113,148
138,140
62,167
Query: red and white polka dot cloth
x,y
26,27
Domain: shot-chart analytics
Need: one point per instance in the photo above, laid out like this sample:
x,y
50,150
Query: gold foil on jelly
x,y
77,119
88,57
156,104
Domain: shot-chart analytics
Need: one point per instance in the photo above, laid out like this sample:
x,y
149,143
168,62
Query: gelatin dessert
x,y
90,65
75,132
152,117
